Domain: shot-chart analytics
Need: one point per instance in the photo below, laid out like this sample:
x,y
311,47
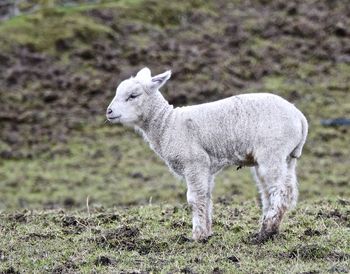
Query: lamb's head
x,y
134,97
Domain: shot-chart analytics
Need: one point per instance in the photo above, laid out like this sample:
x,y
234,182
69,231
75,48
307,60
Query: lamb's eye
x,y
132,97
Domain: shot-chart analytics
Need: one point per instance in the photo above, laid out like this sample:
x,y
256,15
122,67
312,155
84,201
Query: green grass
x,y
44,27
34,30
156,238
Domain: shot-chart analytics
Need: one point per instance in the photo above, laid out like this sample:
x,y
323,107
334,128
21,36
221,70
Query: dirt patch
x,y
233,259
74,225
339,269
179,224
67,267
10,270
121,238
181,239
129,238
108,217
218,270
338,256
20,217
186,270
39,236
309,252
105,260
336,215
343,202
151,245
311,232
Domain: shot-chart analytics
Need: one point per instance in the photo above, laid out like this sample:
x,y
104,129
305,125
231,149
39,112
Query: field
x,y
80,195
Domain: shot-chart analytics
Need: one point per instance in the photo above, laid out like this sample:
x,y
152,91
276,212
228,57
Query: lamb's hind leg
x,y
262,191
292,182
273,175
210,205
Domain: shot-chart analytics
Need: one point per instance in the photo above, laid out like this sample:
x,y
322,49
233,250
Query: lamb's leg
x,y
292,182
210,205
274,181
262,191
199,198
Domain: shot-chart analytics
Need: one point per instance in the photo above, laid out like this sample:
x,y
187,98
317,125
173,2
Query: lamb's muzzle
x,y
260,130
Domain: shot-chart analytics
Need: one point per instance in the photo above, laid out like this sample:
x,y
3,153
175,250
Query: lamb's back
x,y
252,108
241,122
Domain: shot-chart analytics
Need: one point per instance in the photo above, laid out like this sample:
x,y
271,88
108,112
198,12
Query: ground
x,y
80,195
155,238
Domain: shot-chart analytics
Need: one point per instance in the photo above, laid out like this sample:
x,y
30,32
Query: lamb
x,y
259,130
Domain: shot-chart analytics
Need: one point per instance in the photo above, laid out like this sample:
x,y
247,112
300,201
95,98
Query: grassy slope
x,y
113,167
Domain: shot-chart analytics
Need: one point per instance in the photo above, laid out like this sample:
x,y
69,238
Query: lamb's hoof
x,y
262,237
200,234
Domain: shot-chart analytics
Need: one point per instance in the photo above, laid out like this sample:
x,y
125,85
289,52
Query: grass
x,y
41,34
44,27
156,238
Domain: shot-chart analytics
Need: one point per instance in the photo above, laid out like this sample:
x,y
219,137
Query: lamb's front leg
x,y
199,198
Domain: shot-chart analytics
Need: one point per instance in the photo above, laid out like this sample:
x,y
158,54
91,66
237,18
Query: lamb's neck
x,y
156,123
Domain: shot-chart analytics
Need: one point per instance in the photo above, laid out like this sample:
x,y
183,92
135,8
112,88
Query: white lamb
x,y
260,130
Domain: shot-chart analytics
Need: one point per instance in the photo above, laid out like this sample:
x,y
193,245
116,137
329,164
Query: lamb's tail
x,y
296,153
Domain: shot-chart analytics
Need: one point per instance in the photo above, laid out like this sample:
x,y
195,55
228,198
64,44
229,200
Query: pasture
x,y
78,195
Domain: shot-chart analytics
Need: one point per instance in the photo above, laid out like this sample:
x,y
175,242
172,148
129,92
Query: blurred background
x,y
61,61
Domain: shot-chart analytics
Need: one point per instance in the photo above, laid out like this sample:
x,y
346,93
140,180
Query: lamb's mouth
x,y
114,118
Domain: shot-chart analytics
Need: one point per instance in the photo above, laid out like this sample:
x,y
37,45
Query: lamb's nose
x,y
109,111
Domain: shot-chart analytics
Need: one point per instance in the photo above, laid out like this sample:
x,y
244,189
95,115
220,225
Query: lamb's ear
x,y
144,74
159,80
